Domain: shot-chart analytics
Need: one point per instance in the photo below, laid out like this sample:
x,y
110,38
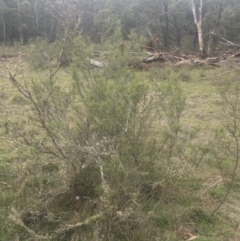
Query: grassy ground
x,y
193,195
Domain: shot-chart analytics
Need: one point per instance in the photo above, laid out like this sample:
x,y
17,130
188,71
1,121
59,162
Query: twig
x,y
88,221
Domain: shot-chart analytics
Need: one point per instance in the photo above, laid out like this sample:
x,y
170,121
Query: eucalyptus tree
x,y
197,16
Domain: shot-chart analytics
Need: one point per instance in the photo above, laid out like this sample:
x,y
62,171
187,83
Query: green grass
x,y
187,201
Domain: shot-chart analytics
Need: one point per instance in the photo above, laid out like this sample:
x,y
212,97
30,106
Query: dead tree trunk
x,y
198,23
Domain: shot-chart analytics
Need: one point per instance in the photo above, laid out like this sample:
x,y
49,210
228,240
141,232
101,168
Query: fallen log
x,y
226,42
161,57
212,60
97,63
155,56
165,57
236,55
185,62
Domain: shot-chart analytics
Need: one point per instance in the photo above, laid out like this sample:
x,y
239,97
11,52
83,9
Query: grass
x,y
188,199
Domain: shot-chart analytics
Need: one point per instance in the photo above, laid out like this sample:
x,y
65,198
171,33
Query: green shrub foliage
x,y
112,143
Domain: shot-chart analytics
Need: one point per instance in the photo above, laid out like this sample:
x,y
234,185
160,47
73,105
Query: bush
x,y
104,156
44,55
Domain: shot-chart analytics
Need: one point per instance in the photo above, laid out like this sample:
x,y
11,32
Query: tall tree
x,y
166,27
198,22
20,28
217,10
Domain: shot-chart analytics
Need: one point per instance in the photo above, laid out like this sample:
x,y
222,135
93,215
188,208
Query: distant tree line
x,y
173,21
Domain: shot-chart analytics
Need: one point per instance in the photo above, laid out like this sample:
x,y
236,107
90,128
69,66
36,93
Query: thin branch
x,y
226,42
88,221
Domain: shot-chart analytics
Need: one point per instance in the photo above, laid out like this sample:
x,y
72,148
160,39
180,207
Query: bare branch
x,y
88,221
226,42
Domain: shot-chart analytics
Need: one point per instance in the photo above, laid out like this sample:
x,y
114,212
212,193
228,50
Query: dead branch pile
x,y
153,54
175,60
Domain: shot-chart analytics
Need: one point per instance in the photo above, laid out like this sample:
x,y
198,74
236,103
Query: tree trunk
x,y
166,28
220,11
36,17
4,30
198,23
20,22
88,18
177,32
200,37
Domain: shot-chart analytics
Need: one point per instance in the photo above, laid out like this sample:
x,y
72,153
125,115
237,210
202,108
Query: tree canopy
x,y
175,22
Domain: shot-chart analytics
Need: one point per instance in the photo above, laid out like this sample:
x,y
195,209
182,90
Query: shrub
x,y
104,156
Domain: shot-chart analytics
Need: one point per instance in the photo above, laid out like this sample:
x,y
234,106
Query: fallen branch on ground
x,y
88,221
